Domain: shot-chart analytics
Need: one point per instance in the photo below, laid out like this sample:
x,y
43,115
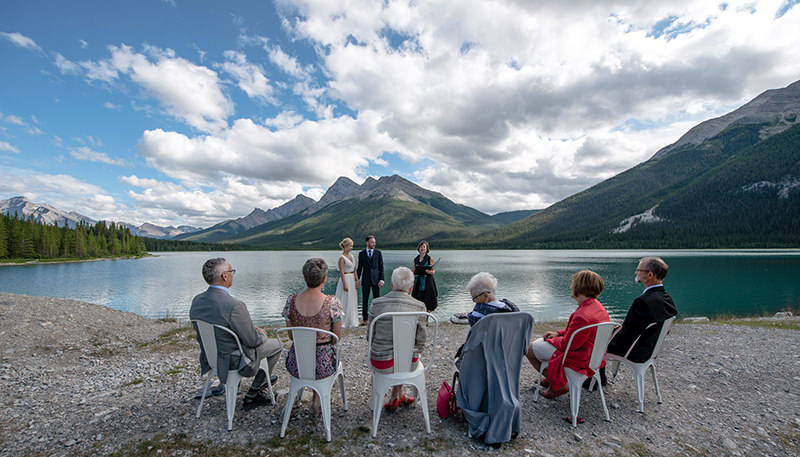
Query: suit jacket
x,y
654,305
589,312
394,301
488,387
374,267
216,306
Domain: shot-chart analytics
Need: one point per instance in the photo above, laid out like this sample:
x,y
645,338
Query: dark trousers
x,y
376,292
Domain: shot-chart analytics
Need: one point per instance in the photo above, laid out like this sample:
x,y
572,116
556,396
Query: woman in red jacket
x,y
586,286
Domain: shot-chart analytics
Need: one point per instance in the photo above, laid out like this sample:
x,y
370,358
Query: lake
x,y
702,282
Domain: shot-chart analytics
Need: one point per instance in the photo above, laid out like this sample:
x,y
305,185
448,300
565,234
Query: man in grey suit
x,y
382,350
217,306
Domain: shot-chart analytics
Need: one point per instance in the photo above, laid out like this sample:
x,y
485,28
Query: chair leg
x,y
542,370
639,376
231,390
203,397
341,387
423,401
264,365
655,381
575,402
377,408
293,391
325,405
616,370
602,396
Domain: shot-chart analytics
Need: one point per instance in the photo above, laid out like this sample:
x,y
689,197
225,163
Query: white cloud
x,y
189,92
249,77
5,146
90,155
22,41
61,191
308,153
16,120
160,202
66,66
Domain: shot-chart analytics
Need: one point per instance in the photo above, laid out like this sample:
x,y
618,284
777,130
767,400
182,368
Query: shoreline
x,y
83,379
99,259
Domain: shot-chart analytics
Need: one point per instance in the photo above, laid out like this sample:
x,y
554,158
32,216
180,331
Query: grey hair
x,y
402,279
213,269
315,271
482,282
655,265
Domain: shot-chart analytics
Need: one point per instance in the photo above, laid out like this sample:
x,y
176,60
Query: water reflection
x,y
701,282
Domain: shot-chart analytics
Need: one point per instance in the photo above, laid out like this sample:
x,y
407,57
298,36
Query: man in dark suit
x,y
370,271
654,305
217,306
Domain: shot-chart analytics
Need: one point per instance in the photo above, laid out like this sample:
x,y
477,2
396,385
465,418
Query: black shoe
x,y
259,399
603,379
273,379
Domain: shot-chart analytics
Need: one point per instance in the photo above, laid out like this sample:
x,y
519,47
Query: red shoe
x,y
550,393
544,382
392,405
406,399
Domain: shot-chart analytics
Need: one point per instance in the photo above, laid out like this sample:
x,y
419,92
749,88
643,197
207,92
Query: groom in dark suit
x,y
370,270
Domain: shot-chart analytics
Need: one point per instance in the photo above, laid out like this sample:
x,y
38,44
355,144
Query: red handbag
x,y
446,403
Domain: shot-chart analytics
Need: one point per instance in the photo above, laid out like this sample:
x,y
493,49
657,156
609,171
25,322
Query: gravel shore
x,y
83,379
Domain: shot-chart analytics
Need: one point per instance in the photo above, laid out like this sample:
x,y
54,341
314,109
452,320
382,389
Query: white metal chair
x,y
404,330
605,331
209,341
305,348
640,369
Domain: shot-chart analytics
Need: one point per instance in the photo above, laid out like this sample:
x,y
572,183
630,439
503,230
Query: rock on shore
x,y
83,379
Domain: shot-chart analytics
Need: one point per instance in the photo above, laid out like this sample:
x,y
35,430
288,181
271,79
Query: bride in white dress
x,y
348,283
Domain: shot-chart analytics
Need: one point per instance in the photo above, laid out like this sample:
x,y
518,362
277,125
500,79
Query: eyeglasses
x,y
233,272
475,297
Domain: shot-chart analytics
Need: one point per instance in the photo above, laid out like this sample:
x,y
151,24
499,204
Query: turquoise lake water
x,y
702,282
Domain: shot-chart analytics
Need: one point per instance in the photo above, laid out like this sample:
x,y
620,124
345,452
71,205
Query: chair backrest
x,y
208,339
662,336
305,348
605,331
404,331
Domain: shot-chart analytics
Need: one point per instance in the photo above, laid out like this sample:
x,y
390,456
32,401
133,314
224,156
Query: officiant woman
x,y
424,284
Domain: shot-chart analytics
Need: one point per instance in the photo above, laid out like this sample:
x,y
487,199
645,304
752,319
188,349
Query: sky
x,y
179,112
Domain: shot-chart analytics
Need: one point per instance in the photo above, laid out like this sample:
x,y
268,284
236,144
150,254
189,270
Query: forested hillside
x,y
21,239
733,190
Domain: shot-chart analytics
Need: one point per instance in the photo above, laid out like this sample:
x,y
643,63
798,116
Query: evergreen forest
x,y
29,240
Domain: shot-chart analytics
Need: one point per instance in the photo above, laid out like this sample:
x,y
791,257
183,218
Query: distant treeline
x,y
27,239
158,245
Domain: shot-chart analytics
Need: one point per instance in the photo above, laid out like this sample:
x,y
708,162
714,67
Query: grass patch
x,y
176,338
134,382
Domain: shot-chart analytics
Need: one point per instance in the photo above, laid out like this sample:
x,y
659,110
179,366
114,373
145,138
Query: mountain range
x,y
22,208
732,181
395,210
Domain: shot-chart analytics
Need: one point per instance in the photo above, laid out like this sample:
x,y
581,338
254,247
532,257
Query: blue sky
x,y
192,112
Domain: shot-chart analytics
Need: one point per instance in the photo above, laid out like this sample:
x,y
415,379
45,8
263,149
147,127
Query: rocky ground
x,y
82,379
